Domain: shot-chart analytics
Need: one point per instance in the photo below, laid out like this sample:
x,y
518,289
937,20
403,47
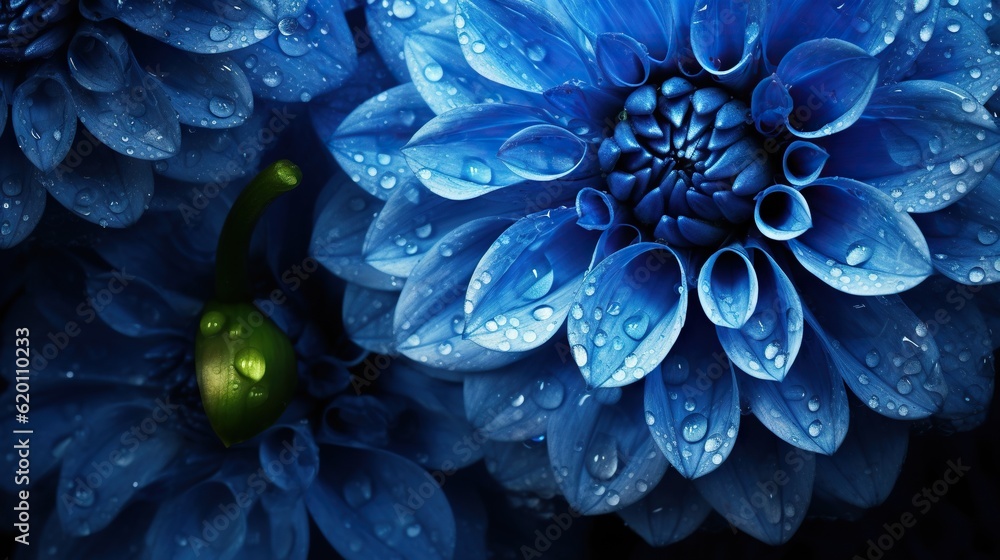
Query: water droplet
x,y
273,78
83,496
694,427
713,443
872,358
542,312
912,366
636,326
903,410
613,499
403,9
220,32
969,105
433,72
579,355
958,166
287,26
976,274
5,228
873,401
794,393
760,326
904,386
221,107
602,457
250,363
536,52
413,530
813,404
815,427
857,254
212,322
549,394
477,171
444,348
479,47
12,186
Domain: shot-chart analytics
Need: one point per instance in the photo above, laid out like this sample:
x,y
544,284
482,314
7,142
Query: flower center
x,y
687,161
33,28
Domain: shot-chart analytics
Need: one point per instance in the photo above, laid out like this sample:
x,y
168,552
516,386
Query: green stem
x,y
231,282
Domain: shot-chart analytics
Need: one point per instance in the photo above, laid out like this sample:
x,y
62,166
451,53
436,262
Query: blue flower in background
x,y
123,457
179,90
624,227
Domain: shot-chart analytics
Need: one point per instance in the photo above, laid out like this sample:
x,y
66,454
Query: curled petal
x,y
859,242
770,105
882,351
803,162
601,453
649,21
367,143
766,345
543,152
99,58
596,209
924,143
782,213
864,470
807,409
727,287
724,37
342,221
672,511
614,239
429,323
627,314
521,290
692,403
455,154
622,60
734,491
518,44
830,81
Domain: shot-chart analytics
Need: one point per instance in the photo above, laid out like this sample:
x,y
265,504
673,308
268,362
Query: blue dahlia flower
x,y
744,240
105,95
123,458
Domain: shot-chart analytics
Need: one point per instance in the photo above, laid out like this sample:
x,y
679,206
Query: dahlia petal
x,y
299,472
520,292
694,420
698,232
414,219
518,44
283,526
392,23
514,404
782,213
733,490
803,162
367,143
622,60
727,287
99,58
208,91
915,30
429,324
793,22
183,516
582,101
648,21
770,105
614,239
441,74
133,524
137,120
766,345
627,314
354,507
218,156
966,351
44,118
145,309
191,25
367,318
669,513
87,508
602,455
596,209
963,237
959,53
339,232
455,154
106,188
22,198
543,152
924,143
882,351
864,470
310,59
428,437
859,243
328,111
724,37
808,408
831,79
521,466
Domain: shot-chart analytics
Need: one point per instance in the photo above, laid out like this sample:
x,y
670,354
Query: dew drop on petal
x,y
694,427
